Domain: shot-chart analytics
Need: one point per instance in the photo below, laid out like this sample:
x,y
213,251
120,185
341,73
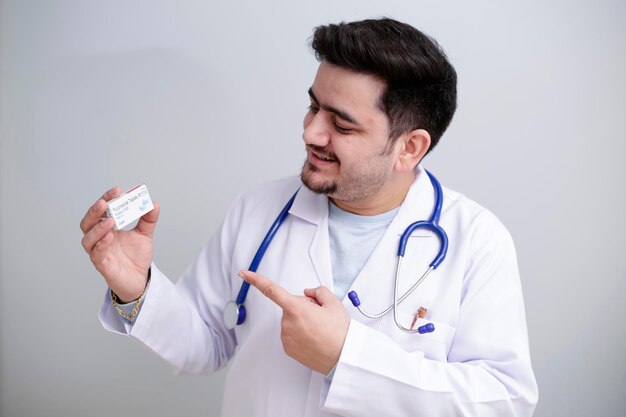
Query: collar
x,y
310,206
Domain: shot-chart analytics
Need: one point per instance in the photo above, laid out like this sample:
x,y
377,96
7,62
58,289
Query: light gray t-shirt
x,y
352,240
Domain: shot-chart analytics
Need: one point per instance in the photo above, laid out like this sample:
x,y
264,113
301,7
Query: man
x,y
383,95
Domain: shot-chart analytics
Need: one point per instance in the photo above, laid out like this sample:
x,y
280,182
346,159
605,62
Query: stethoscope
x,y
235,311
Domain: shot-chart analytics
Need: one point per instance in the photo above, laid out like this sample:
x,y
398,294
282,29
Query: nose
x,y
316,130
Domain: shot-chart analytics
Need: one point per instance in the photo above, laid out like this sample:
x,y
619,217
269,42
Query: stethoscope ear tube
x,y
436,229
431,224
443,250
235,312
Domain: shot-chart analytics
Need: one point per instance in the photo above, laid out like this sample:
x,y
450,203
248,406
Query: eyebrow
x,y
344,115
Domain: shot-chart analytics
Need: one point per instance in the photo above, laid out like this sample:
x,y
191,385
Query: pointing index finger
x,y
270,289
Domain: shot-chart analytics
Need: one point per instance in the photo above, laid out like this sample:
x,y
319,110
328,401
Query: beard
x,y
355,182
319,187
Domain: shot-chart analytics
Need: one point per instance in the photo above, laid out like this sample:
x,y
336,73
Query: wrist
x,y
127,297
132,315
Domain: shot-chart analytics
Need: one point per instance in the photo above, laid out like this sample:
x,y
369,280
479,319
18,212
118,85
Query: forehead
x,y
356,93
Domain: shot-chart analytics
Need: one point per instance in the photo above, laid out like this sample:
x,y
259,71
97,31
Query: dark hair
x,y
421,83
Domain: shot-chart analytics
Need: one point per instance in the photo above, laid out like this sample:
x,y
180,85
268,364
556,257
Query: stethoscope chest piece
x,y
234,314
235,311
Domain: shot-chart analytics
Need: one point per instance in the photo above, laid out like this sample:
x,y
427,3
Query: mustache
x,y
323,152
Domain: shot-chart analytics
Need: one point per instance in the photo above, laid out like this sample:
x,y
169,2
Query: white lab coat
x,y
476,362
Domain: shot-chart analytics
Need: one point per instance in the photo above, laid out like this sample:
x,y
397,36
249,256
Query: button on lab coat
x,y
475,363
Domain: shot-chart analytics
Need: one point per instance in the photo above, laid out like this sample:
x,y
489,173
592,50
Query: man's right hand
x,y
122,257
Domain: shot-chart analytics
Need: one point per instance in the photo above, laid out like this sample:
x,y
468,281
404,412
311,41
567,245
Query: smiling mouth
x,y
322,157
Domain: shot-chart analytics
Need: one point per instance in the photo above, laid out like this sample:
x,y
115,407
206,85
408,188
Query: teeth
x,y
324,158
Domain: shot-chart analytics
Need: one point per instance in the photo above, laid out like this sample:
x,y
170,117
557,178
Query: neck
x,y
387,198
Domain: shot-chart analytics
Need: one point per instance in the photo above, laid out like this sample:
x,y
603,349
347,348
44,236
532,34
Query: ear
x,y
413,146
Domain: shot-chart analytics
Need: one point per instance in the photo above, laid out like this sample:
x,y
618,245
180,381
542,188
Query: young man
x,y
383,95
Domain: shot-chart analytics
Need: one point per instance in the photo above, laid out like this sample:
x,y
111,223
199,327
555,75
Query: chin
x,y
317,185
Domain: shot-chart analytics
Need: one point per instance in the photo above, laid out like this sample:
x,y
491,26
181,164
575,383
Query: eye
x,y
340,129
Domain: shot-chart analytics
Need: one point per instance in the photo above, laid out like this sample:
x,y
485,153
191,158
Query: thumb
x,y
321,294
147,223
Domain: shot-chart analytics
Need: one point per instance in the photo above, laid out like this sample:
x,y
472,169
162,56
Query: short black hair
x,y
420,81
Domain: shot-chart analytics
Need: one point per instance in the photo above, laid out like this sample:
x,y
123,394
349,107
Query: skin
x,y
122,257
348,158
345,124
313,327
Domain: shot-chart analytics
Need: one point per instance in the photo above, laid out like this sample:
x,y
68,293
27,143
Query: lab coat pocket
x,y
434,345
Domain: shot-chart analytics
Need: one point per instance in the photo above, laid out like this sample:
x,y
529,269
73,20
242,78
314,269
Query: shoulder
x,y
268,197
458,204
273,192
257,207
472,219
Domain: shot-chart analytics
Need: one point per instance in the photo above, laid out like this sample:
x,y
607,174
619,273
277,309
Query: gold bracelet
x,y
133,314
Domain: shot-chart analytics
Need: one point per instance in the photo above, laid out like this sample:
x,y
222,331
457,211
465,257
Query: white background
x,y
204,99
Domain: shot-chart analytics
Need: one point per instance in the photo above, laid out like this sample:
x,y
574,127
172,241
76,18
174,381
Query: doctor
x,y
383,95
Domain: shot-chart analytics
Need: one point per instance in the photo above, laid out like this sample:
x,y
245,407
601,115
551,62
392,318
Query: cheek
x,y
347,149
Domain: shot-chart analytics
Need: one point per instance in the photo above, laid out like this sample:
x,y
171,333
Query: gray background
x,y
204,99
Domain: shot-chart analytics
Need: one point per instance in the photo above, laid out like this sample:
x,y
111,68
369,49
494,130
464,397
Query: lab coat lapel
x,y
313,208
374,284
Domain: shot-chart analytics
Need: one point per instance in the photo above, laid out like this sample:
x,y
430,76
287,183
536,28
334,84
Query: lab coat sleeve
x,y
488,371
183,323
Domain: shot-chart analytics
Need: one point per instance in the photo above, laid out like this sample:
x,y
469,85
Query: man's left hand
x,y
314,327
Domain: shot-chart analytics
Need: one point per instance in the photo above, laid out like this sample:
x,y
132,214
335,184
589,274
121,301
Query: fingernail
x,y
106,223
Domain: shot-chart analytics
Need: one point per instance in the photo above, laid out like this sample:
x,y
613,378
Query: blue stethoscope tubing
x,y
431,224
235,311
